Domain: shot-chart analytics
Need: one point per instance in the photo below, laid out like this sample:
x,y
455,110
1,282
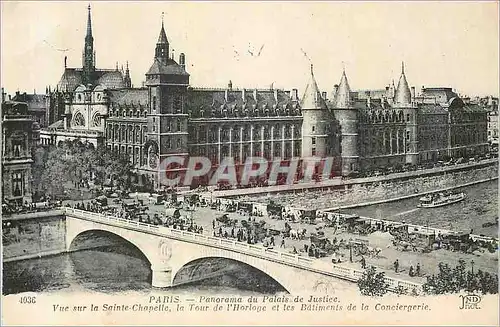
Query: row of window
x,y
126,133
385,117
140,112
215,134
385,142
239,152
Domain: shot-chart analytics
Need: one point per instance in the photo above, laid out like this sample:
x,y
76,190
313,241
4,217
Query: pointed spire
x,y
312,96
403,95
89,23
343,94
162,39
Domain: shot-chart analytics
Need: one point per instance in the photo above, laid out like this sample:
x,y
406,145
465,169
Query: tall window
x,y
313,141
17,184
179,125
154,103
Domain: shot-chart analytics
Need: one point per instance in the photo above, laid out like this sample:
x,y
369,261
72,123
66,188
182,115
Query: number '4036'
x,y
27,300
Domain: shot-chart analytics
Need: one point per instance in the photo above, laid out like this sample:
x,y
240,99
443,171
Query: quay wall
x,y
377,192
35,235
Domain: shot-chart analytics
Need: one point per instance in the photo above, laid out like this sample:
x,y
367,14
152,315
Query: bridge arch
x,y
200,261
104,238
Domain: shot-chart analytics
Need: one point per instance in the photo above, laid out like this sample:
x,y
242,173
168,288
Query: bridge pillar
x,y
162,276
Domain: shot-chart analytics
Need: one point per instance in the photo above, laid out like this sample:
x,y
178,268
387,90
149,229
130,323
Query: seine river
x,y
117,269
479,208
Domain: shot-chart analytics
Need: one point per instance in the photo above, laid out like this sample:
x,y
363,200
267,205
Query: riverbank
x,y
374,192
365,204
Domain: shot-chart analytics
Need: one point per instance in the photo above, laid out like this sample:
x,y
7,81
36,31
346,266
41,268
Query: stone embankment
x,y
380,191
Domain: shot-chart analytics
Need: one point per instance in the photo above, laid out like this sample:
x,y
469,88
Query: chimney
x,y
413,93
295,94
276,95
3,94
255,95
182,59
423,90
230,85
335,89
323,95
10,97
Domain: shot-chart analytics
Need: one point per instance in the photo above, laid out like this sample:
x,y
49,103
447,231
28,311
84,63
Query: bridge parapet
x,y
294,260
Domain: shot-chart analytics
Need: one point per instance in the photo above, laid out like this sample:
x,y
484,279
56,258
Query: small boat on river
x,y
440,199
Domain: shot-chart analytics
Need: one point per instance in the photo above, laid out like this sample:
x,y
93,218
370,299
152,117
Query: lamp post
x,y
350,250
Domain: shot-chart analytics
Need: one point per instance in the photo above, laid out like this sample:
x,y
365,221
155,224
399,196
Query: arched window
x,y
79,120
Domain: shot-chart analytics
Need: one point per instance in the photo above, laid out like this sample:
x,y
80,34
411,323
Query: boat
x,y
440,199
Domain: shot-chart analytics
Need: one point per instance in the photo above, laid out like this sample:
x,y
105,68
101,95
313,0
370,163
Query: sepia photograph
x,y
249,163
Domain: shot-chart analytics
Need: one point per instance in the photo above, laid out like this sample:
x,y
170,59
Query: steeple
x,y
88,52
161,52
312,96
127,80
89,24
403,95
343,94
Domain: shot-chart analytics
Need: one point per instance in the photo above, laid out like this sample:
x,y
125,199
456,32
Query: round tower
x,y
317,122
347,116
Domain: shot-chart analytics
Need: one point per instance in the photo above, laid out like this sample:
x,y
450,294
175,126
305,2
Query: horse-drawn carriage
x,y
356,225
226,221
417,241
320,246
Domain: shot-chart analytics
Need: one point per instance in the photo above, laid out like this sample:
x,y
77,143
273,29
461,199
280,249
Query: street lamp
x,y
472,267
350,250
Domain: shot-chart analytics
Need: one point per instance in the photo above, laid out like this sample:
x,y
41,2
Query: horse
x,y
374,252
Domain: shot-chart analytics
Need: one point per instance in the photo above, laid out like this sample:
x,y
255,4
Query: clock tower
x,y
167,82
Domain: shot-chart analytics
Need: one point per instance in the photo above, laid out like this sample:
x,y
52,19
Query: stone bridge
x,y
169,250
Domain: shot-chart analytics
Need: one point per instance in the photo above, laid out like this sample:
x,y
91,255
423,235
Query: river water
x,y
480,207
116,269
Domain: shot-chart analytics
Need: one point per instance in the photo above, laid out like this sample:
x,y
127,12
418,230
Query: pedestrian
x,y
213,224
220,231
411,273
396,265
272,241
232,232
363,262
282,245
417,271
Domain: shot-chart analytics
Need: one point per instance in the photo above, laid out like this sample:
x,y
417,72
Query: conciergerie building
x,y
360,130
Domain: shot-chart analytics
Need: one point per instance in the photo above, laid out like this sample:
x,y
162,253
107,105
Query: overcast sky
x,y
442,44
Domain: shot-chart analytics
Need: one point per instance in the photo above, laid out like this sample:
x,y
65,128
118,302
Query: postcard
x,y
249,163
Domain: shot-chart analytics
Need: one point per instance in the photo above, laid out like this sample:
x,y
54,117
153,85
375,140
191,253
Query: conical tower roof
x,y
343,96
312,96
162,39
403,95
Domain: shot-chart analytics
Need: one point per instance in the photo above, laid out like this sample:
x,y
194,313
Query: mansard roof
x,y
213,100
171,68
128,97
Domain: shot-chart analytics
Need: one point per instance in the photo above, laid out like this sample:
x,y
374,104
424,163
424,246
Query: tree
x,y
458,279
373,283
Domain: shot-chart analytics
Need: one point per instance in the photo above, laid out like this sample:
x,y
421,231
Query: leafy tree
x,y
458,279
373,283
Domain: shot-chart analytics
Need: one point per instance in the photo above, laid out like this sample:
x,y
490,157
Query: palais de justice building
x,y
361,129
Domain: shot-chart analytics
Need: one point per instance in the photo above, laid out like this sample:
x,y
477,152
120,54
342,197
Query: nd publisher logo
x,y
470,302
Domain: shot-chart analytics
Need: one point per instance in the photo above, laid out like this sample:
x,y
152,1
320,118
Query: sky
x,y
453,44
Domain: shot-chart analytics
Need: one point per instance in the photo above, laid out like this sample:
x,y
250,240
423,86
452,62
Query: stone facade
x,y
361,130
19,135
